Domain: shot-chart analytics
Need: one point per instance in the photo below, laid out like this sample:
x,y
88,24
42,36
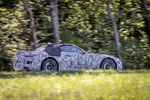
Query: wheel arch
x,y
50,58
108,58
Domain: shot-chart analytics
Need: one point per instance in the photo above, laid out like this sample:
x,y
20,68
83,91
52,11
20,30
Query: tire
x,y
49,65
108,63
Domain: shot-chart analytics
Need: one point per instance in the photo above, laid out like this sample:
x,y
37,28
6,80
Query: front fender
x,y
100,57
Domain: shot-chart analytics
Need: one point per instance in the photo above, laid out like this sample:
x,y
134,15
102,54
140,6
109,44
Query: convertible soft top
x,y
53,49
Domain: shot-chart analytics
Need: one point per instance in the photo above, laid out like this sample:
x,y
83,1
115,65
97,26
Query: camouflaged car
x,y
55,57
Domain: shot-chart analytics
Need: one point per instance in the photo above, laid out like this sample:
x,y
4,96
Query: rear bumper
x,y
17,69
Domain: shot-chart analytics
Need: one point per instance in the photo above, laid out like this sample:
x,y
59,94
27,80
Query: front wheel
x,y
108,63
50,65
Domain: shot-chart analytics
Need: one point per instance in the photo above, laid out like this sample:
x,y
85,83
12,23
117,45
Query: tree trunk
x,y
29,11
115,29
54,18
147,19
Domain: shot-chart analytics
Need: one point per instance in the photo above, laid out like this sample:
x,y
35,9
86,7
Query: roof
x,y
54,45
53,49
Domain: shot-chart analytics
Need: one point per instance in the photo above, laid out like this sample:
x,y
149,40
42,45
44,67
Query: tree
x,y
29,11
147,19
54,17
115,29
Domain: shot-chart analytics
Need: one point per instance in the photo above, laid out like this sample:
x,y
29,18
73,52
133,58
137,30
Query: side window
x,y
70,49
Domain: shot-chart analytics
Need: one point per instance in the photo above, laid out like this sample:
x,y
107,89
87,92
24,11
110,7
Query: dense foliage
x,y
80,85
82,22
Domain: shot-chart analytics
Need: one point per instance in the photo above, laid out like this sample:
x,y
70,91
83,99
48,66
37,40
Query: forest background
x,y
85,23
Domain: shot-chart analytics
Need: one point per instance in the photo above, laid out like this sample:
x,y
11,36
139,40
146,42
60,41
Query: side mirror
x,y
83,52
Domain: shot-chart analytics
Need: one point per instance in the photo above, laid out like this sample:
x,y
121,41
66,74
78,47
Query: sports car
x,y
63,56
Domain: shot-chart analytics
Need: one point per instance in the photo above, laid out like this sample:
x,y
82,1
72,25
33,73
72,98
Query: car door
x,y
70,57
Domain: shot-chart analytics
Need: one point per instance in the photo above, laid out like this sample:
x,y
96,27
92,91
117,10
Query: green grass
x,y
71,85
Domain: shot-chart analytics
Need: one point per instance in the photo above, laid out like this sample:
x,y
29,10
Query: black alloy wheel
x,y
50,65
108,63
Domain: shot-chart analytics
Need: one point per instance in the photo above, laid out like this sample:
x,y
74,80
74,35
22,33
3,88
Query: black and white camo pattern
x,y
66,61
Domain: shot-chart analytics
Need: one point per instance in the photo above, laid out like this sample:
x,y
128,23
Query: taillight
x,y
24,62
29,55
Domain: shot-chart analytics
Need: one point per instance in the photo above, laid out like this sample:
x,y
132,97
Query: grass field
x,y
71,85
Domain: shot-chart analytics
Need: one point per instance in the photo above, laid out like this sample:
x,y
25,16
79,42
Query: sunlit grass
x,y
71,85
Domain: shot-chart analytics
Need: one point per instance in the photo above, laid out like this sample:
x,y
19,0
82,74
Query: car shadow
x,y
23,74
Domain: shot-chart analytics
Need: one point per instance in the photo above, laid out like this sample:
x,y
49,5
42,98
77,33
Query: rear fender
x,y
50,58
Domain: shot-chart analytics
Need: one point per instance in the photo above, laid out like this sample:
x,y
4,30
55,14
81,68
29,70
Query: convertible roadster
x,y
65,56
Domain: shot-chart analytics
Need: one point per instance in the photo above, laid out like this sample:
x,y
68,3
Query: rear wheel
x,y
108,63
50,65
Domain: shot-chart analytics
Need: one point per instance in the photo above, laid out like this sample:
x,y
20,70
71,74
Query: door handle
x,y
68,55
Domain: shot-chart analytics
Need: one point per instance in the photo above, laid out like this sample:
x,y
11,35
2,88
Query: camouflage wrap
x,y
66,61
76,59
32,63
